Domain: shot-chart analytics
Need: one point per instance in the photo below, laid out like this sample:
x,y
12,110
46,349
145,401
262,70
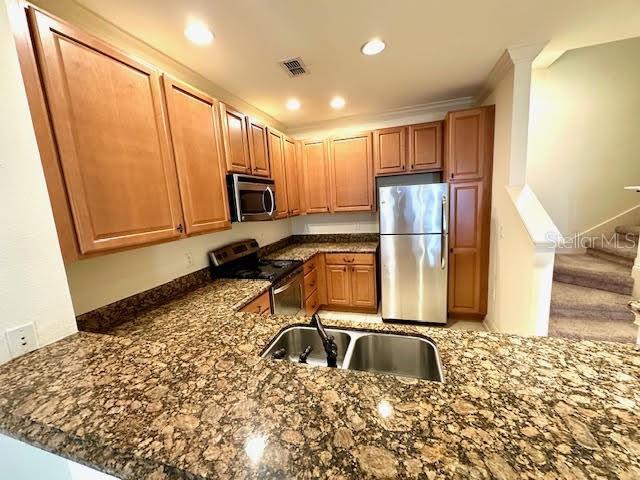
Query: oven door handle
x,y
286,285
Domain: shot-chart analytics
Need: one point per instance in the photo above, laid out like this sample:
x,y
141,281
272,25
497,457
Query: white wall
x,y
21,461
347,222
585,134
98,281
33,285
521,260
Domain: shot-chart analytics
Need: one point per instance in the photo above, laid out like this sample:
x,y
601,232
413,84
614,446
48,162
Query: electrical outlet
x,y
22,340
189,258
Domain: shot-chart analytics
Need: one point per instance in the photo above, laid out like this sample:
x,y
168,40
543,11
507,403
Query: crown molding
x,y
385,116
510,57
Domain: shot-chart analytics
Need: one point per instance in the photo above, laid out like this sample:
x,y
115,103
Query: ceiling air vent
x,y
295,67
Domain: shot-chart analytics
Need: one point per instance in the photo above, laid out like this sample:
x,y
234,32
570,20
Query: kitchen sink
x,y
295,339
377,352
403,355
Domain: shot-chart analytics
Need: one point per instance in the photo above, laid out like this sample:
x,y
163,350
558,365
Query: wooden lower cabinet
x,y
351,282
363,286
338,288
261,305
312,285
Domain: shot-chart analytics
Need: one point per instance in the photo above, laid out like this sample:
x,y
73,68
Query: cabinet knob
x,y
180,228
402,167
452,175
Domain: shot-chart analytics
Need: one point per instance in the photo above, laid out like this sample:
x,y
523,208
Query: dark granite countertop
x,y
181,392
304,251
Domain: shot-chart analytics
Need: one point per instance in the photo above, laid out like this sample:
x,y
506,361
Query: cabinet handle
x,y
452,175
180,228
402,167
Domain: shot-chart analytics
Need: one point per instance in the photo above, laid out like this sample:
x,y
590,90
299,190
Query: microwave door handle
x,y
273,201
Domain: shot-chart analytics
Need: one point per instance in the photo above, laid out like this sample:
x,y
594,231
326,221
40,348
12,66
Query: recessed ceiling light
x,y
293,104
373,47
198,33
337,103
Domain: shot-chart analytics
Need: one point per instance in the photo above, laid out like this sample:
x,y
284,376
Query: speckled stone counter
x,y
304,251
181,392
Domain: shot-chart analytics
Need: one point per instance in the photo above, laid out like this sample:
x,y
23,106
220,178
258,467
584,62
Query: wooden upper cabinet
x,y
107,116
351,173
236,142
467,284
316,178
197,148
258,151
469,143
425,147
390,150
292,176
278,170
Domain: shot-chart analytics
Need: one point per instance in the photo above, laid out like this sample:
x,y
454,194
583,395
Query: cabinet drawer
x,y
309,265
261,305
349,258
310,282
311,304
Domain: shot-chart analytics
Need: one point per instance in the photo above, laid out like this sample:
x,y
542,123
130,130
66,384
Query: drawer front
x,y
309,265
310,282
349,258
311,304
261,305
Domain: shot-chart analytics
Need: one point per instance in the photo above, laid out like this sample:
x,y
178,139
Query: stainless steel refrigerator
x,y
413,252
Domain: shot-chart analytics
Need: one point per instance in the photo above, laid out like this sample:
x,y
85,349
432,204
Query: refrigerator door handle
x,y
443,236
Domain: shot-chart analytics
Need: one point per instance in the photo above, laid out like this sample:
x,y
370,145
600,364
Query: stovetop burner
x,y
246,264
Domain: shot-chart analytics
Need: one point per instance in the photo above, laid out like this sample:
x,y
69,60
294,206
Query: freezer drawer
x,y
414,277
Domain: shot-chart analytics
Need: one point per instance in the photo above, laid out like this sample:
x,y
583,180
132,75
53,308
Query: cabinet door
x,y
276,157
466,262
338,288
292,176
236,142
389,150
425,147
314,170
363,286
109,123
195,131
350,163
467,137
258,152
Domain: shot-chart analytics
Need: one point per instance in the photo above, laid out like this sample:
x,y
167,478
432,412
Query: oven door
x,y
256,201
287,297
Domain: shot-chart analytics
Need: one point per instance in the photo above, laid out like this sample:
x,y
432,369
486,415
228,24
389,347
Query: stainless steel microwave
x,y
251,198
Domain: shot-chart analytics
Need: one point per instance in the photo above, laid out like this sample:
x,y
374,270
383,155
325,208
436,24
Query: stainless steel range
x,y
240,260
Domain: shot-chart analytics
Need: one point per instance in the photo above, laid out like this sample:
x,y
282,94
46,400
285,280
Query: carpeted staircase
x,y
591,292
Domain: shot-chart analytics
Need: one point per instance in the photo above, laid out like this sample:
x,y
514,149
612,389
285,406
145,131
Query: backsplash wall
x,y
354,222
99,281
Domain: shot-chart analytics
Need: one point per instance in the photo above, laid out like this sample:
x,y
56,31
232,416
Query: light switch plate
x,y
22,340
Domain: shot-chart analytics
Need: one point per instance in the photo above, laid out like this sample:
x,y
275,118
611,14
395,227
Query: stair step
x,y
617,246
593,272
629,231
625,258
579,328
582,302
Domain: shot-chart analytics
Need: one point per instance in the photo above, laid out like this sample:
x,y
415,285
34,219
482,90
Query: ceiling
x,y
436,50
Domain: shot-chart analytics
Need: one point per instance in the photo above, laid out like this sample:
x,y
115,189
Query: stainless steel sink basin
x,y
295,339
378,352
402,355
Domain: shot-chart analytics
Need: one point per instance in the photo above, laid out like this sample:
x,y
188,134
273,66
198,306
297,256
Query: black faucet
x,y
304,355
330,347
